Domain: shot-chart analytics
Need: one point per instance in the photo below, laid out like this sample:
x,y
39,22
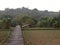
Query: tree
x,y
46,21
6,23
25,19
13,22
1,22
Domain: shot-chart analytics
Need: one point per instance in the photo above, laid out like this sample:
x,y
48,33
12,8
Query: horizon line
x,y
29,9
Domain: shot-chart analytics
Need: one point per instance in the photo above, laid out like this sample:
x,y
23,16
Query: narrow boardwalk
x,y
16,37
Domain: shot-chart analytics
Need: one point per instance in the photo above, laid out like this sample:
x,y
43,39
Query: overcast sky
x,y
51,5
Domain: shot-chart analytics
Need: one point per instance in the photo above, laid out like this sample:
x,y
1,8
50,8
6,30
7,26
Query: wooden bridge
x,y
16,37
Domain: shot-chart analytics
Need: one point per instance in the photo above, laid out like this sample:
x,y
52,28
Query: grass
x,y
41,37
38,28
4,35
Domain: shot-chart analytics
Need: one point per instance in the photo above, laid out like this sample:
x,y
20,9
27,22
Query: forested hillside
x,y
30,17
35,13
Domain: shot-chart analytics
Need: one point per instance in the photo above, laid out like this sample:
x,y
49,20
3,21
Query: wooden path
x,y
16,37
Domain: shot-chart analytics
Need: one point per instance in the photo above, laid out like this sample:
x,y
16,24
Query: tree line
x,y
34,18
25,19
42,22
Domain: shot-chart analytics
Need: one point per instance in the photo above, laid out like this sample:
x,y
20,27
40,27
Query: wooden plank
x,y
16,37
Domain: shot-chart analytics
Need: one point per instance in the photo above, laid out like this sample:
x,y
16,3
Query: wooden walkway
x,y
16,37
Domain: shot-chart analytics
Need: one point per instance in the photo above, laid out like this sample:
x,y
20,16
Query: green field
x,y
4,35
41,37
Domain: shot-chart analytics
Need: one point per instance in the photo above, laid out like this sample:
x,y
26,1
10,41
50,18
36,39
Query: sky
x,y
50,5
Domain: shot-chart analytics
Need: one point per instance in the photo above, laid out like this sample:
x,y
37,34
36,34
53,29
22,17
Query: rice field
x,y
41,37
4,35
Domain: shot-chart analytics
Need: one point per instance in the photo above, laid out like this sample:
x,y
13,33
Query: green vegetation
x,y
34,18
45,21
41,37
53,22
25,19
49,22
4,35
5,29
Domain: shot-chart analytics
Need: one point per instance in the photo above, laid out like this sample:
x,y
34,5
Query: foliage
x,y
4,35
32,17
13,23
49,22
43,22
6,23
1,22
25,19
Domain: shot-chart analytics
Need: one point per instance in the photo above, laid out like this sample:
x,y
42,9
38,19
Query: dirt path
x,y
16,37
